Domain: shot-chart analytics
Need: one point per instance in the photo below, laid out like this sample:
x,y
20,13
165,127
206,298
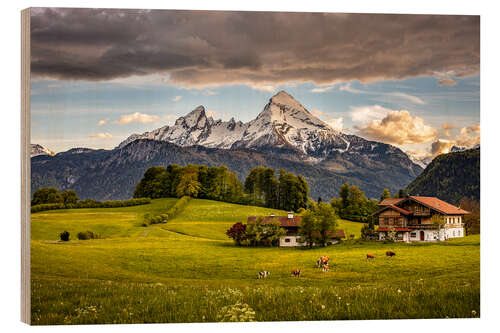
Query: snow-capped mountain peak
x,y
37,149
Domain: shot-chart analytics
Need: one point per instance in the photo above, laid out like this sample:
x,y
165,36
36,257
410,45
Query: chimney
x,y
290,215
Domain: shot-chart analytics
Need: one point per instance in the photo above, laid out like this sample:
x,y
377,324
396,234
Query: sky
x,y
100,75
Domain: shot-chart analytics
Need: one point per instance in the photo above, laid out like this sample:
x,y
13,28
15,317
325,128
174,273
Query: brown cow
x,y
296,272
323,260
325,268
390,254
370,256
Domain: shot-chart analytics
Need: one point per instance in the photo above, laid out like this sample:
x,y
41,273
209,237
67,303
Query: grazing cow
x,y
323,260
296,272
263,274
390,254
370,256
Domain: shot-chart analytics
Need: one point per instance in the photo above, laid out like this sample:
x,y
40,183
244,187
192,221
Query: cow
x,y
296,272
370,256
323,260
263,274
390,254
325,268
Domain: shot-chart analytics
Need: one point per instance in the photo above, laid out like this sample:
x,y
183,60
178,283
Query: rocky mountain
x,y
284,135
450,177
37,150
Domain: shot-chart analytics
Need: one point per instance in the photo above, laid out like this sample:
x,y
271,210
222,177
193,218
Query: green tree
x,y
471,221
385,194
326,220
46,195
308,228
69,197
188,184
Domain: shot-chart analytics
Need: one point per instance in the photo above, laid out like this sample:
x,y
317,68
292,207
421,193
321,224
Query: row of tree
x,y
261,188
288,192
52,195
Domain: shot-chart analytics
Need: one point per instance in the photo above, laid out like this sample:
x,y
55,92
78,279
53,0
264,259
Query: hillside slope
x,y
450,177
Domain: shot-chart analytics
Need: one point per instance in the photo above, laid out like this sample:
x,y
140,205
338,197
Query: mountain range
x,y
284,135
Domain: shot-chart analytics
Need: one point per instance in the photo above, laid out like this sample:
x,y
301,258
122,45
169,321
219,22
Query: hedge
x,y
89,203
170,214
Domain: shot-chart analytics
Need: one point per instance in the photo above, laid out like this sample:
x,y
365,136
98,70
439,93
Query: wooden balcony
x,y
422,226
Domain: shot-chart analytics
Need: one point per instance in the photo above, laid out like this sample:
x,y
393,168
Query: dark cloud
x,y
202,48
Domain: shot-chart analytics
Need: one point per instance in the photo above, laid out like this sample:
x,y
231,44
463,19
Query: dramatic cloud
x,y
259,49
102,122
176,98
441,146
447,126
336,123
398,127
137,117
469,136
105,136
366,114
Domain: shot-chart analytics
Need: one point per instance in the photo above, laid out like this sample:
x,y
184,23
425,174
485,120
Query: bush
x,y
90,203
84,235
170,214
64,236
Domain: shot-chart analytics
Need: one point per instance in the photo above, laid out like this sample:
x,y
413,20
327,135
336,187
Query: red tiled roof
x,y
390,201
283,220
399,209
293,222
440,205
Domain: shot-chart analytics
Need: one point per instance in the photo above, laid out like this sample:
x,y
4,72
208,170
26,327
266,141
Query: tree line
x,y
261,187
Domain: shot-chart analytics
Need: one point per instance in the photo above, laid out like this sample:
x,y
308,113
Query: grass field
x,y
188,271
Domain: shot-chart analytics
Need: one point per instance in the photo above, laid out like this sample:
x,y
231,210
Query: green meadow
x,y
187,270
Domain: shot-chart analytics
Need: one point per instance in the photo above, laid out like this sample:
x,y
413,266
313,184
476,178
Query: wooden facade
x,y
411,219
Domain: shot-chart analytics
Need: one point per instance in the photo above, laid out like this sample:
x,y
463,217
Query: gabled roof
x,y
396,208
390,201
283,220
430,202
439,205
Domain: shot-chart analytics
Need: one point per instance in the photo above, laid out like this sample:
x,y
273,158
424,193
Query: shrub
x,y
237,232
90,203
64,236
84,235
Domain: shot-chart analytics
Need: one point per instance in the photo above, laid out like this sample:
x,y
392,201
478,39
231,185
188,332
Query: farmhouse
x,y
411,218
291,225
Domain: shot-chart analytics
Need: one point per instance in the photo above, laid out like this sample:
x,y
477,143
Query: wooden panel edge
x,y
25,166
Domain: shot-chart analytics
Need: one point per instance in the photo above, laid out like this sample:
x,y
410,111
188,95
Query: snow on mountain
x,y
455,149
196,128
284,122
37,149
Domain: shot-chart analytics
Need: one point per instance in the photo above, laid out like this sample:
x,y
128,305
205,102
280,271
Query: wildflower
x,y
340,298
348,304
323,307
474,312
399,291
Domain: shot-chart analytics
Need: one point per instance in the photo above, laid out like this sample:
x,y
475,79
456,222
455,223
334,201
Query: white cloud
x,y
322,89
441,146
210,93
263,87
102,122
137,117
414,99
411,98
398,127
365,114
336,123
469,136
104,136
176,98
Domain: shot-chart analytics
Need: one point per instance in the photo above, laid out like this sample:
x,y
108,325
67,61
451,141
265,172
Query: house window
x,y
386,220
435,235
287,240
413,235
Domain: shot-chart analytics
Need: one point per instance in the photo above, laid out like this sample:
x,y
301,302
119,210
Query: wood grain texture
x,y
25,167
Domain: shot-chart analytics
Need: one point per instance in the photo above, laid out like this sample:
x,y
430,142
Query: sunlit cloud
x,y
176,98
398,127
102,122
137,117
104,136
